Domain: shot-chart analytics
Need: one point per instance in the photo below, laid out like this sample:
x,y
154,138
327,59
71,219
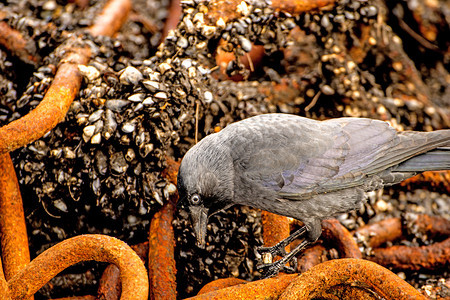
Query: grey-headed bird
x,y
301,168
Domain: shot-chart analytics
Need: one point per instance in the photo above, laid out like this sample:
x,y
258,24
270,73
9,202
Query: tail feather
x,y
434,160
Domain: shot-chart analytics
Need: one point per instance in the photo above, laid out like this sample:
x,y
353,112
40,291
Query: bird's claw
x,y
292,265
280,248
272,269
274,250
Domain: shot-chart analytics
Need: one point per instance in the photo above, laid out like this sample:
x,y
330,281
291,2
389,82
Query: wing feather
x,y
299,157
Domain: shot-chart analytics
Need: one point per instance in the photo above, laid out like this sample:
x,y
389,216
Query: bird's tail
x,y
434,160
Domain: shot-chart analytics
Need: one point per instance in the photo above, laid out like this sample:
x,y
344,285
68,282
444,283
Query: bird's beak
x,y
199,216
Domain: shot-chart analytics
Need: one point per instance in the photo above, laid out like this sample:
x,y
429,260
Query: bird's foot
x,y
272,269
278,249
269,268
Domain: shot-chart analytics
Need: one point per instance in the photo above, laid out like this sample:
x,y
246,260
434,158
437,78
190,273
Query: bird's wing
x,y
298,161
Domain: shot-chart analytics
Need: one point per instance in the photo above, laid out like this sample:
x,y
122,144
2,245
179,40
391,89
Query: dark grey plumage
x,y
302,168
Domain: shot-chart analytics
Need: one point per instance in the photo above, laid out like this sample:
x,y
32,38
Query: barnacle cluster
x,y
107,156
100,169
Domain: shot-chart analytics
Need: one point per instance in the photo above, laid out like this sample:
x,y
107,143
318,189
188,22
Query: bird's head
x,y
205,184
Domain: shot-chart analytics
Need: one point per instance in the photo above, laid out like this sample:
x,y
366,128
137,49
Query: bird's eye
x,y
195,199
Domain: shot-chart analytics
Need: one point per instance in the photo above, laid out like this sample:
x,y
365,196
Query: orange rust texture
x,y
432,257
162,269
2,274
52,108
14,240
21,47
112,17
171,171
173,18
311,257
275,229
220,284
432,225
4,290
65,86
110,285
377,234
295,7
349,271
141,250
438,180
266,289
339,236
83,248
161,258
227,9
347,292
389,230
87,297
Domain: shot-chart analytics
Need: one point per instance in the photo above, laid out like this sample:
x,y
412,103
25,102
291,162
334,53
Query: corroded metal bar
x,y
52,108
266,289
227,9
437,179
14,240
161,255
432,257
112,17
4,290
220,284
14,41
65,86
389,230
377,234
275,229
311,257
299,6
350,271
110,286
337,234
173,18
87,297
83,248
162,269
432,226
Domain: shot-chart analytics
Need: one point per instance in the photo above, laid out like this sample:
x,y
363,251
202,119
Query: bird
x,y
301,168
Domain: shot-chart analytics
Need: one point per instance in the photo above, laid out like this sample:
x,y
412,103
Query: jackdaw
x,y
301,168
